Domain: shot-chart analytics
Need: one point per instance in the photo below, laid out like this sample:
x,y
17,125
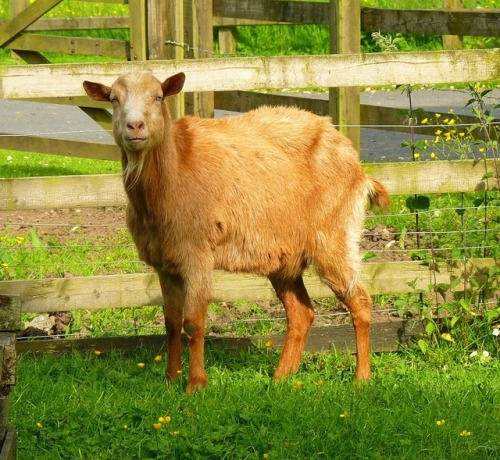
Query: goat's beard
x,y
132,170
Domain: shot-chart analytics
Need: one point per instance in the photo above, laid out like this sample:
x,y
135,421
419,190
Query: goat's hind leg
x,y
173,294
300,315
359,303
342,279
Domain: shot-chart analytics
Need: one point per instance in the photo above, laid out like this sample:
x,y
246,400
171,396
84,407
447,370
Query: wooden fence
x,y
237,74
148,34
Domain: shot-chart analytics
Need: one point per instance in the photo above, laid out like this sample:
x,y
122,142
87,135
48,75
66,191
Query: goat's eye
x,y
113,99
159,98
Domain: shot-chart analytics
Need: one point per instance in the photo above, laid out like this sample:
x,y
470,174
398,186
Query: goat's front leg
x,y
173,290
199,291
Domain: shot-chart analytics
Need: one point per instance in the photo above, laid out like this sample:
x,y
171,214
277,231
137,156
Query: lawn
x,y
116,406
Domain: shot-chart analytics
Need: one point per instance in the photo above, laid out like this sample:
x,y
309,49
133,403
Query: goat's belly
x,y
263,262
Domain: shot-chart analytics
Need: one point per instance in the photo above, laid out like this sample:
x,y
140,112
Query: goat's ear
x,y
97,91
173,85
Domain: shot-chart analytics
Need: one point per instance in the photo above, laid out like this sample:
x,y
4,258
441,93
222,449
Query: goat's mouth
x,y
135,141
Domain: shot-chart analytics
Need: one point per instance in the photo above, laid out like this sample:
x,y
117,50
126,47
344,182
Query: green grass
x,y
25,164
105,406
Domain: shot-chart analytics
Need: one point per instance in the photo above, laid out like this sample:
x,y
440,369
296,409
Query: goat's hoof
x,y
195,387
362,377
196,383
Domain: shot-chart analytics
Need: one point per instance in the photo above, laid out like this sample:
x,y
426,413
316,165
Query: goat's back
x,y
271,149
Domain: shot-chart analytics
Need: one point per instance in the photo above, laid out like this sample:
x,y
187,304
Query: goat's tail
x,y
377,193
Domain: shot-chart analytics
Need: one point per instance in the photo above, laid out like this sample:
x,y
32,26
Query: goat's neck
x,y
150,187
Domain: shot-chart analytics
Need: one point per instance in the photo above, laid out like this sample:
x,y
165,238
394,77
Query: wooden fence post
x,y
157,29
227,40
345,37
452,42
138,23
165,36
199,36
174,40
227,36
10,321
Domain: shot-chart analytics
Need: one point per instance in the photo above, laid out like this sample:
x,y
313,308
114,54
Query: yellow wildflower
x,y
447,337
158,358
452,121
141,365
5,265
416,156
157,426
344,414
265,456
269,343
424,121
438,132
465,433
97,352
297,385
166,419
39,425
440,422
433,156
437,115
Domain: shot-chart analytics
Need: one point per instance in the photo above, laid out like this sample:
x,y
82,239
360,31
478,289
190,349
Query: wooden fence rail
x,y
141,289
436,21
107,190
65,80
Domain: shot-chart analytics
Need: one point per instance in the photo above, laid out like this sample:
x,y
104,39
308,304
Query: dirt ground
x,y
98,224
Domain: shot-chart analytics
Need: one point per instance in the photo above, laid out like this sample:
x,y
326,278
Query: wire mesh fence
x,y
430,228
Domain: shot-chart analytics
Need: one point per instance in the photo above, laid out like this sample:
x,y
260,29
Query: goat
x,y
268,192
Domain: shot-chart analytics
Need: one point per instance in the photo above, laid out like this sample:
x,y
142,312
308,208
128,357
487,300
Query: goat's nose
x,y
135,125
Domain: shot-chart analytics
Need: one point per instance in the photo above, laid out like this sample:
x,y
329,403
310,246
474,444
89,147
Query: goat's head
x,y
139,108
